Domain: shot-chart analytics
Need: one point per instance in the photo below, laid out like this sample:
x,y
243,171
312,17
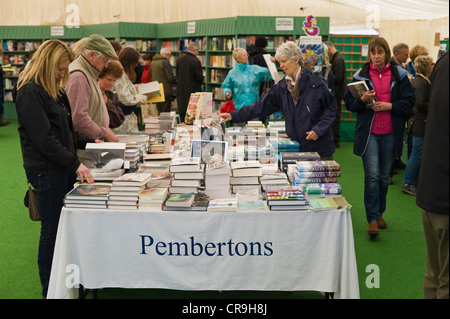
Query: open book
x,y
357,89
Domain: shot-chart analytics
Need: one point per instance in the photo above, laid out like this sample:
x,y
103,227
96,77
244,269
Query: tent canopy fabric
x,y
341,12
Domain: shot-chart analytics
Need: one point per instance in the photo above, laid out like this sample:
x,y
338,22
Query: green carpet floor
x,y
398,252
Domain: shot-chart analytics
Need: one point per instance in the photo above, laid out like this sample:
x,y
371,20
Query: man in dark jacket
x,y
432,192
190,77
340,85
161,71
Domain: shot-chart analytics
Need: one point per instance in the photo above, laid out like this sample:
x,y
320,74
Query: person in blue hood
x,y
308,107
243,81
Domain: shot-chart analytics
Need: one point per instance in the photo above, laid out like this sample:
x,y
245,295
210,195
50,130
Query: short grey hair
x,y
164,51
399,47
193,47
289,50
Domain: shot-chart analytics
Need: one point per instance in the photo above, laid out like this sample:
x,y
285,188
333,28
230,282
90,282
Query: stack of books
x,y
245,174
223,205
135,140
287,158
161,177
188,175
316,172
217,180
274,179
152,198
151,124
88,196
283,199
133,157
125,190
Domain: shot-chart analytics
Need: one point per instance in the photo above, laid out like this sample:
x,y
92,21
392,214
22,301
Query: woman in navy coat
x,y
379,125
308,107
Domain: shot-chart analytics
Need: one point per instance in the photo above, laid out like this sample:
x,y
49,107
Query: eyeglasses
x,y
103,57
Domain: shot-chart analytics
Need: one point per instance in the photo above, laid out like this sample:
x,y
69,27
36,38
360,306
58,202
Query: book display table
x,y
273,251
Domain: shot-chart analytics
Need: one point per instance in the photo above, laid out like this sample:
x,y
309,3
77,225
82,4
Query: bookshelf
x,y
216,37
351,47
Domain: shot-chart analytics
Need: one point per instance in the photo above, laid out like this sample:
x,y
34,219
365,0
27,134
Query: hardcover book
x,y
89,191
327,203
180,200
105,160
357,89
133,179
223,204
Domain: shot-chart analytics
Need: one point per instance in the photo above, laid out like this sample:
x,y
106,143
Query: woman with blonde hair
x,y
48,140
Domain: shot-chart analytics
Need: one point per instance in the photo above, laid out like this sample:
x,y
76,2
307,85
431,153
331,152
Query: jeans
x,y
51,190
413,165
377,161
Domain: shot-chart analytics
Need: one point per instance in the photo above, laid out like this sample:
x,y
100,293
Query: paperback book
x,y
327,203
323,189
357,89
223,205
180,200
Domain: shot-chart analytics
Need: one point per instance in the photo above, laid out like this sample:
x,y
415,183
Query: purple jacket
x,y
315,110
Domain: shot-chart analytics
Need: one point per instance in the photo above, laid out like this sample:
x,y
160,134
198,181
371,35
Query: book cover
x,y
223,204
149,89
180,200
323,189
251,206
105,160
327,203
315,166
357,89
133,179
191,111
248,194
210,152
89,191
200,203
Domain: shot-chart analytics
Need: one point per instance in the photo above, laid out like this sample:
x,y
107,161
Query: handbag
x,y
31,202
267,86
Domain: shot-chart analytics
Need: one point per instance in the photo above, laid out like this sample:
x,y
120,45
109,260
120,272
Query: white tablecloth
x,y
275,251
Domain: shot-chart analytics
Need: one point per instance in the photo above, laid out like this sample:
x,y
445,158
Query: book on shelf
x,y
89,192
328,202
200,203
323,189
180,200
133,179
223,205
251,206
357,89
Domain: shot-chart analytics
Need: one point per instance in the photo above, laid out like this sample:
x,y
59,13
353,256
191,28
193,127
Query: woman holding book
x,y
307,105
129,98
48,140
379,127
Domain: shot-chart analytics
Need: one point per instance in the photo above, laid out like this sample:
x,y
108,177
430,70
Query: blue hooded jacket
x,y
402,99
243,81
315,110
